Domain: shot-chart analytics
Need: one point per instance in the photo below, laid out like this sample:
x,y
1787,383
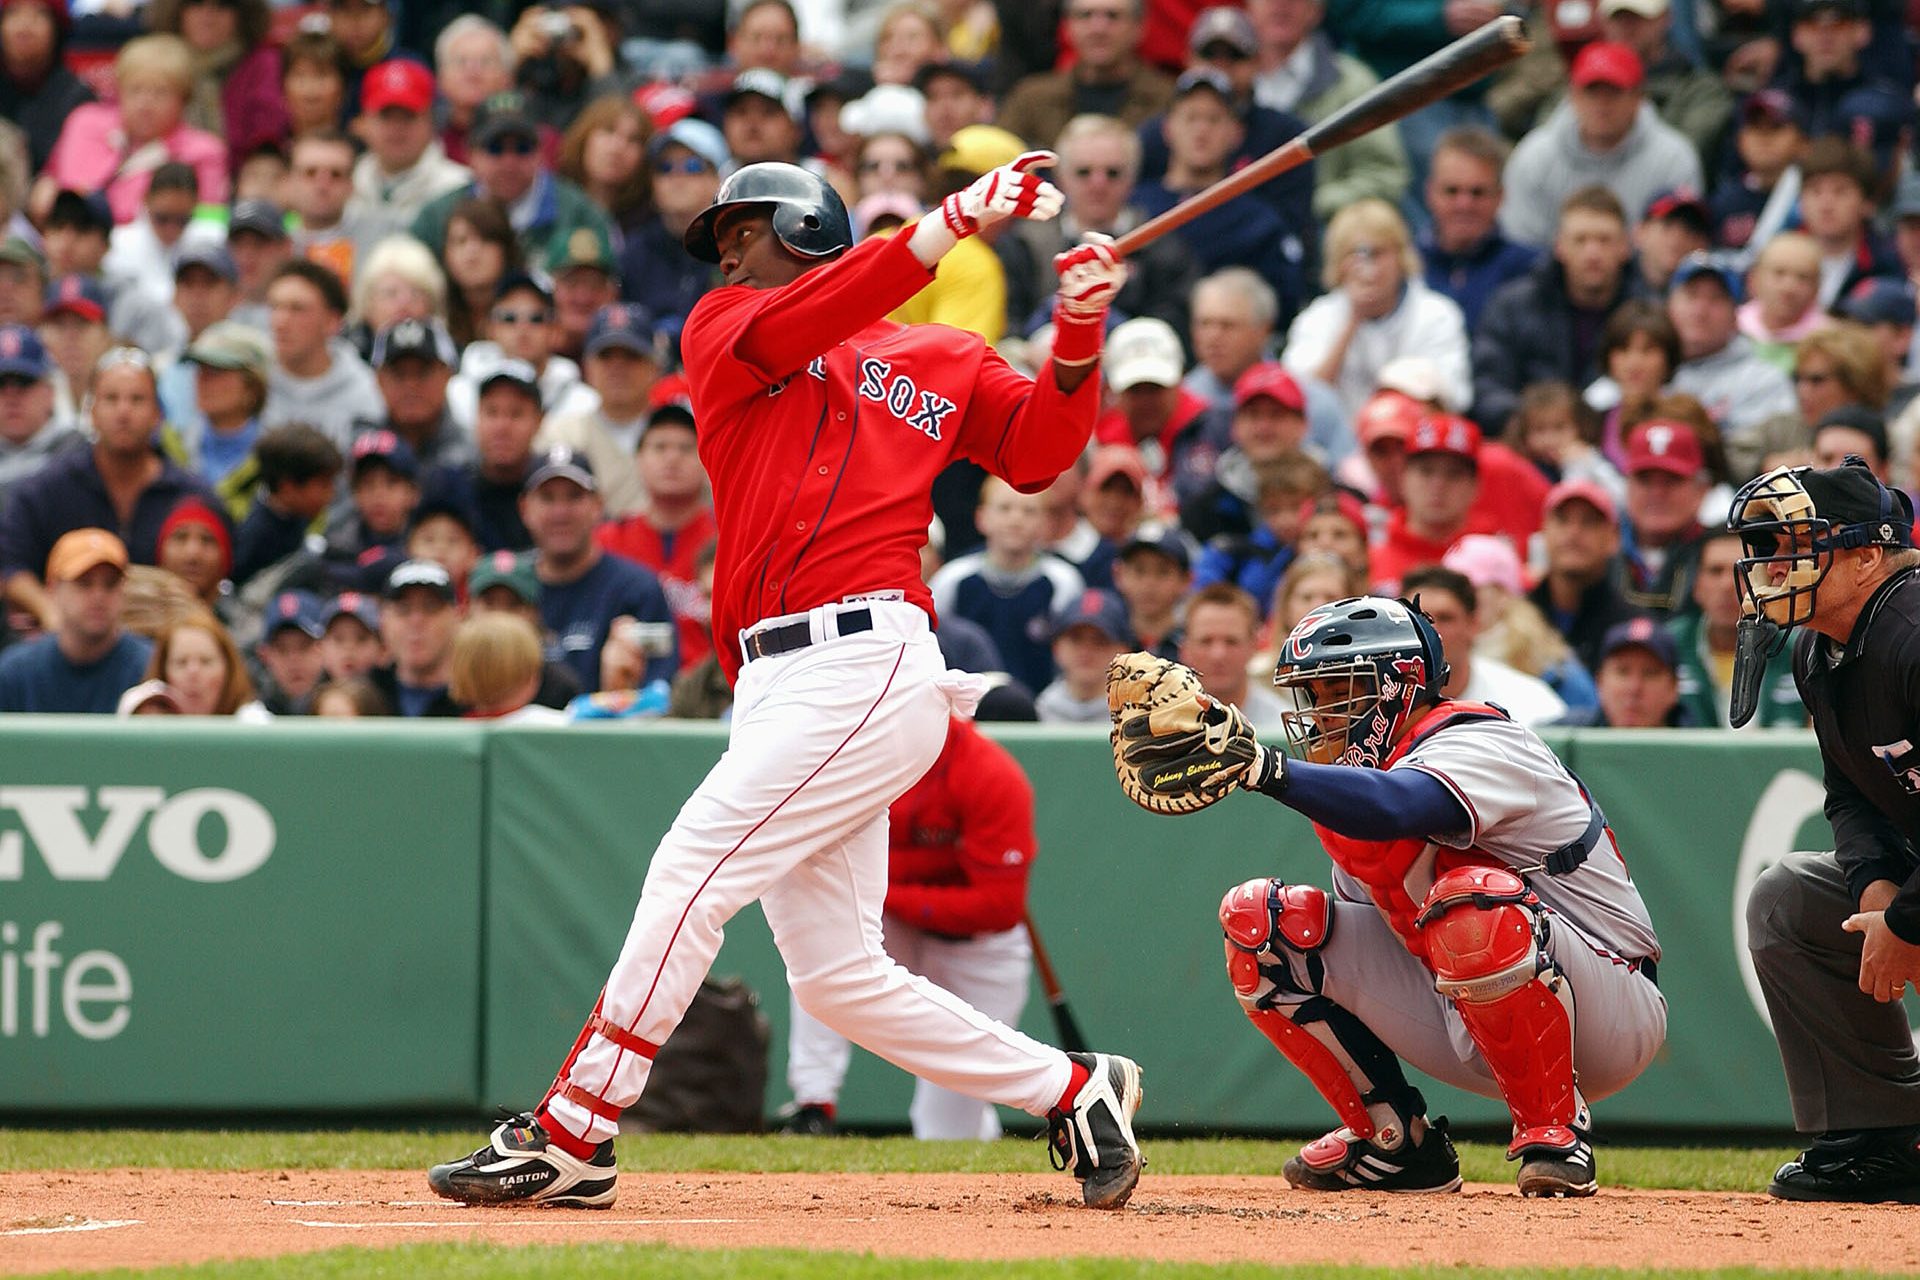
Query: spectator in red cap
x,y
1605,133
236,70
37,91
1384,424
1269,421
1439,485
1377,309
1580,593
405,168
1666,482
196,546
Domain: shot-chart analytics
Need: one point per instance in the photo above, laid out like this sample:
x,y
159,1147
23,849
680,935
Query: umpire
x,y
1836,936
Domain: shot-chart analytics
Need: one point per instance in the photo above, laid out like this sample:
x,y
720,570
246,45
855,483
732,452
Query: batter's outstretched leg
x,y
1275,932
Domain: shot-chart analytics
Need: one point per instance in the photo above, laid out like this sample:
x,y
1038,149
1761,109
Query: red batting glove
x,y
1011,191
1091,275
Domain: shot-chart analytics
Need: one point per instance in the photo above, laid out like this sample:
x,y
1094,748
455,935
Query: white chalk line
x,y
583,1220
350,1204
91,1224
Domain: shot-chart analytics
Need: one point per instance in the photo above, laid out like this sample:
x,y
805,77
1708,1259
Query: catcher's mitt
x,y
1176,748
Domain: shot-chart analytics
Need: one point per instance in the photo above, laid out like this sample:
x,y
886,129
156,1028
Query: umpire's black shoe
x,y
1859,1166
1094,1139
1342,1161
522,1166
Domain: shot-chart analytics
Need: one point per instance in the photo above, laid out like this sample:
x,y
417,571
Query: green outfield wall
x,y
321,917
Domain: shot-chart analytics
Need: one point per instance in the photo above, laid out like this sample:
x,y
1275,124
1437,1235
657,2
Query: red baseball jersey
x,y
822,426
961,840
635,539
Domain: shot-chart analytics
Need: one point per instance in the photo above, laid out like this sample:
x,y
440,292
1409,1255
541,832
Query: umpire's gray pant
x,y
1850,1060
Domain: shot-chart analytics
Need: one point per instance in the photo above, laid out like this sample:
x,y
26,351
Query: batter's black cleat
x,y
810,1120
522,1166
1854,1166
1557,1168
1094,1141
1343,1161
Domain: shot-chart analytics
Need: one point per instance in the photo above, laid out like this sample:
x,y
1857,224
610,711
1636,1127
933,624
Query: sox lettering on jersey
x,y
898,393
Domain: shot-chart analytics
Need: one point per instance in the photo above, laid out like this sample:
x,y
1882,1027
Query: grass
x,y
1698,1168
622,1262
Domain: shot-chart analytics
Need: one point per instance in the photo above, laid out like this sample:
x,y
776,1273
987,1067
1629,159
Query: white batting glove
x,y
1091,275
1011,191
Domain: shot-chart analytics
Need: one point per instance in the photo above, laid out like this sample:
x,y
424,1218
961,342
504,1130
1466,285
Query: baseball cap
x,y
1445,433
503,115
973,73
425,339
1607,62
22,354
505,569
626,325
384,449
397,82
228,344
84,549
1388,415
359,606
1664,445
17,251
1110,460
450,503
299,609
1696,265
1336,501
514,281
758,82
561,463
665,103
1644,8
1859,418
1097,608
86,209
674,413
210,254
696,136
77,295
430,574
1222,25
980,147
1681,204
1773,107
1143,351
1850,494
514,373
1168,544
1487,560
882,204
1879,300
1641,633
585,247
1203,79
145,694
888,108
1268,378
1587,491
262,217
1418,378
1806,9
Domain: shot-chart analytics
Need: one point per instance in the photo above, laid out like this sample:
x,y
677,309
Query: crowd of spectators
x,y
339,342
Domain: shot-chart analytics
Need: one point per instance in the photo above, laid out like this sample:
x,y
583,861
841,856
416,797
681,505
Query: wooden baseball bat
x,y
1434,77
1071,1037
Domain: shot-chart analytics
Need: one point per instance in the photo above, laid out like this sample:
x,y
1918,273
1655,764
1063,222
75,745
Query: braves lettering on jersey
x,y
823,464
961,840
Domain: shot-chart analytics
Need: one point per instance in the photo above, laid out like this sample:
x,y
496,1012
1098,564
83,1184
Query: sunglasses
x,y
522,317
687,164
1111,172
511,147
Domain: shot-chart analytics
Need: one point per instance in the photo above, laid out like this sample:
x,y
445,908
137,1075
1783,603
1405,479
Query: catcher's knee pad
x,y
1486,934
1264,920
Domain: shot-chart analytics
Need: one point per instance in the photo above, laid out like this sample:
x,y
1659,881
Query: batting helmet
x,y
1389,657
808,214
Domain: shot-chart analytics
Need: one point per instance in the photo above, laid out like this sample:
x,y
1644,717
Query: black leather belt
x,y
770,642
1649,970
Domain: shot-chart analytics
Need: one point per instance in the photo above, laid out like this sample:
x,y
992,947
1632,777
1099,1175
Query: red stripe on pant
x,y
622,1036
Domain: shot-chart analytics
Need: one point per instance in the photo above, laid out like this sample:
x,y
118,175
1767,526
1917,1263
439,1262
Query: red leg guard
x,y
1486,935
1317,1062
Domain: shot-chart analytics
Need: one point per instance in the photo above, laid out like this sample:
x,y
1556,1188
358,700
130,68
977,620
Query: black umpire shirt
x,y
1865,701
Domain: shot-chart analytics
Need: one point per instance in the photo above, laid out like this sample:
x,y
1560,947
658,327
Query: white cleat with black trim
x,y
1094,1141
520,1165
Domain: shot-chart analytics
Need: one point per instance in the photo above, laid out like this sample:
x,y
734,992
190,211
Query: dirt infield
x,y
140,1217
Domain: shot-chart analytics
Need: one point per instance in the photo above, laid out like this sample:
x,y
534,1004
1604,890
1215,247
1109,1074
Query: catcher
x,y
1482,925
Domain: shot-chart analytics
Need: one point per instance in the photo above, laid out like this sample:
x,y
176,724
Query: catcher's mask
x,y
1357,670
1791,520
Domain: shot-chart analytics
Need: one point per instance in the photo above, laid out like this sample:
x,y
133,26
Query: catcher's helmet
x,y
1388,655
1792,520
808,214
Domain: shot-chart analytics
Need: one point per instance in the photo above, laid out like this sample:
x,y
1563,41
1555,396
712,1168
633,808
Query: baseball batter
x,y
823,425
962,845
1482,924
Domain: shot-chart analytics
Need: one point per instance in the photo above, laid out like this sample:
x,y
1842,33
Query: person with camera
x,y
564,59
668,533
